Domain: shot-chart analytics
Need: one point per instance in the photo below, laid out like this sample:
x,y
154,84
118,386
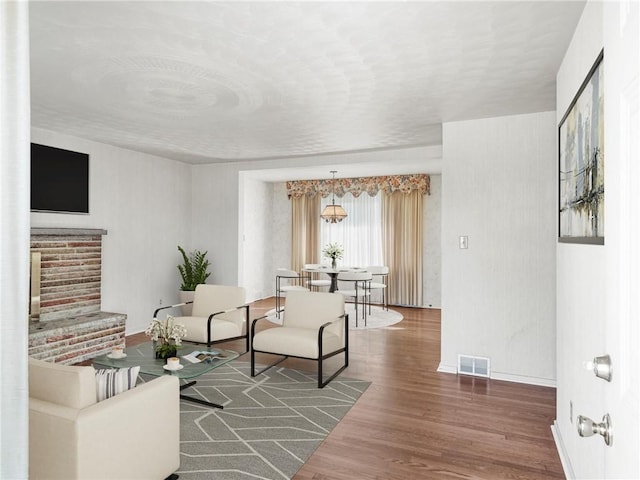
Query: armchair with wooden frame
x,y
314,327
219,314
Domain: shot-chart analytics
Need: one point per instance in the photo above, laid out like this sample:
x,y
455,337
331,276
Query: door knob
x,y
601,367
587,428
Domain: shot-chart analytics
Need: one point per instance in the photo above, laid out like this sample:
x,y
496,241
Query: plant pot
x,y
171,351
186,296
334,264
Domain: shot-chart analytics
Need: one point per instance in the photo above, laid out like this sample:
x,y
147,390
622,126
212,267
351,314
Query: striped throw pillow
x,y
112,381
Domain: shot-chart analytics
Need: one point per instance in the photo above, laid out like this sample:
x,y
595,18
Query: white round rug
x,y
378,318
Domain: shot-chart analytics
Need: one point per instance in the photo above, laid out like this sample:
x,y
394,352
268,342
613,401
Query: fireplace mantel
x,y
67,231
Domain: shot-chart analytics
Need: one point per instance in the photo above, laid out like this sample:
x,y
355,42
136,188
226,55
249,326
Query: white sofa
x,y
133,435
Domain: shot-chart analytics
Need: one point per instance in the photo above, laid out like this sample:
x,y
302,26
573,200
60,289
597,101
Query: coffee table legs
x,y
197,400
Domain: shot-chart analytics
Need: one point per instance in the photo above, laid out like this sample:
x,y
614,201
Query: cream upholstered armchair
x,y
314,327
134,434
219,314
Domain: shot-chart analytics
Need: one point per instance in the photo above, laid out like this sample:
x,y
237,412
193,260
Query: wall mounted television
x,y
59,180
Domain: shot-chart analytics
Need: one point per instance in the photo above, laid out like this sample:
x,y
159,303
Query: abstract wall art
x,y
581,163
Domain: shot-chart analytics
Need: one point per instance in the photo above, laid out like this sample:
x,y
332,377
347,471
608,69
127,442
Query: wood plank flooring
x,y
415,423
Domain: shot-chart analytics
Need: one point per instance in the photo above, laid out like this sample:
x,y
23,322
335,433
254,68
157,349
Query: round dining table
x,y
333,274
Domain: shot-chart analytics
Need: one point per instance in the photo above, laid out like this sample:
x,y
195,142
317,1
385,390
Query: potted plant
x,y
166,335
194,270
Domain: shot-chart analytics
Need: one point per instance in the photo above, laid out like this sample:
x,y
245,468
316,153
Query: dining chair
x,y
315,283
288,280
382,273
357,289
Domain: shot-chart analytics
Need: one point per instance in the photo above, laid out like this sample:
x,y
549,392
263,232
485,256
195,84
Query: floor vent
x,y
478,366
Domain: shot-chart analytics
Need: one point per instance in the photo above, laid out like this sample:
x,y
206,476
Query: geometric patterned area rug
x,y
270,425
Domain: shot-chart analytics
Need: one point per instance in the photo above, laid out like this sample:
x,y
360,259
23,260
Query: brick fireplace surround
x,y
65,321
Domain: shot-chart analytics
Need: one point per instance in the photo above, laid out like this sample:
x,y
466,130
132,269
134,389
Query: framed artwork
x,y
581,163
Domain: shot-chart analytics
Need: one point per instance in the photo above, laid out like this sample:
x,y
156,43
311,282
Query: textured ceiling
x,y
206,82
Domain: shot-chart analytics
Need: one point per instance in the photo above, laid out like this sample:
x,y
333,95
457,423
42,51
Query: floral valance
x,y
371,185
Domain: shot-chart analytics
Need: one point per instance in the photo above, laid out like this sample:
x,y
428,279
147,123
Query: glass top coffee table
x,y
143,356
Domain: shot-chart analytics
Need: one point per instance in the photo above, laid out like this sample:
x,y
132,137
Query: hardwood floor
x,y
415,423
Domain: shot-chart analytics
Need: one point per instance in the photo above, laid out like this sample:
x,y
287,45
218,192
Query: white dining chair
x,y
315,283
354,284
379,272
288,280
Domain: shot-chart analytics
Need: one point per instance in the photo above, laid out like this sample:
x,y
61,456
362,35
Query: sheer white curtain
x,y
14,238
360,234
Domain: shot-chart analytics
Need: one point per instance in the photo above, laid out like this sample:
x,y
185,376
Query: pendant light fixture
x,y
333,213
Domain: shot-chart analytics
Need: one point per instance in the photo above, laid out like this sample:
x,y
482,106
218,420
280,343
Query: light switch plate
x,y
464,241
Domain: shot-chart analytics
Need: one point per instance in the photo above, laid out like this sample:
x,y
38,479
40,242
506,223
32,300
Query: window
x,y
360,234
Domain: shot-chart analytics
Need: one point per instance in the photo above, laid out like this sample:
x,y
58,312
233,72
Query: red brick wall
x,y
77,339
70,274
71,327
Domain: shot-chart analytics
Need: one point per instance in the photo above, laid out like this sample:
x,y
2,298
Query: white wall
x,y
216,219
141,201
255,200
580,280
14,239
280,252
498,296
266,241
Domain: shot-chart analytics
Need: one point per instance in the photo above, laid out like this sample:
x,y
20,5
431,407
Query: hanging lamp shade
x,y
333,213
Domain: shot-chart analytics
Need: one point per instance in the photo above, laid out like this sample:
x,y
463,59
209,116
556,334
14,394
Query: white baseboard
x,y
443,368
509,377
562,452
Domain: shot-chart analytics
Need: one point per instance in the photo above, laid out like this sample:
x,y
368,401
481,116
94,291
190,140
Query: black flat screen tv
x,y
59,180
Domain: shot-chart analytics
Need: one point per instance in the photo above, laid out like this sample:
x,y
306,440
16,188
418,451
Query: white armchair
x,y
314,327
135,434
219,314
